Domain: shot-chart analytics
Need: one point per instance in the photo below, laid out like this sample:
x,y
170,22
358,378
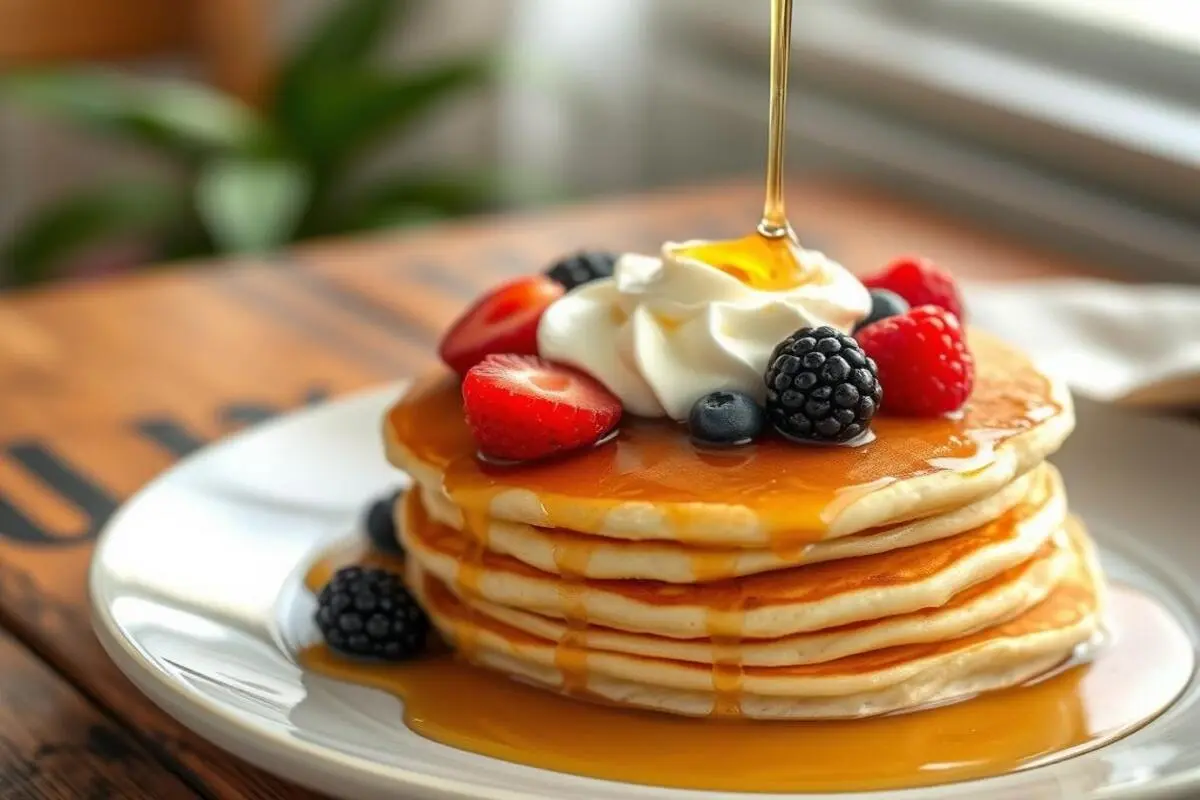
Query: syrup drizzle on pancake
x,y
570,654
725,630
470,571
718,566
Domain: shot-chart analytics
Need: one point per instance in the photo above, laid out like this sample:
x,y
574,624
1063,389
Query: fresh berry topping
x,y
924,363
725,419
503,321
381,524
920,282
521,408
821,386
580,268
884,304
367,613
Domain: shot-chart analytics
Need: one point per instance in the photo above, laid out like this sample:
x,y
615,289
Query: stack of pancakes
x,y
775,581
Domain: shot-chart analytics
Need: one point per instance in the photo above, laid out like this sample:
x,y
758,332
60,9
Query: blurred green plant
x,y
253,180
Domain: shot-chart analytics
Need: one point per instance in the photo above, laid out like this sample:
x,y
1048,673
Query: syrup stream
x,y
774,224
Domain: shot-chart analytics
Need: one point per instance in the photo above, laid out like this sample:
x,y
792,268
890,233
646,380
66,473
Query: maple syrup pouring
x,y
774,224
769,259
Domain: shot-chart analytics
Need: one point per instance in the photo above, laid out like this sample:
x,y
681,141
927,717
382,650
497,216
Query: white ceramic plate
x,y
196,595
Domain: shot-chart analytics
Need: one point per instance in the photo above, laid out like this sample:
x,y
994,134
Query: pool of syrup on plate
x,y
1139,671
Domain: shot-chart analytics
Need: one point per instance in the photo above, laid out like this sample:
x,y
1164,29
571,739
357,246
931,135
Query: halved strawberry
x,y
503,321
521,408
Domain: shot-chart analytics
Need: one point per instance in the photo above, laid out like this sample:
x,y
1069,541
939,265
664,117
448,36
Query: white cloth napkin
x,y
1128,344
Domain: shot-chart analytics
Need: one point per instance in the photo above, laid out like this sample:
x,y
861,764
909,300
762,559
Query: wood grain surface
x,y
107,384
55,743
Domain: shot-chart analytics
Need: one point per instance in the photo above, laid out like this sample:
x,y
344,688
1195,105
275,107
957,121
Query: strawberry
x,y
920,282
503,321
923,362
521,408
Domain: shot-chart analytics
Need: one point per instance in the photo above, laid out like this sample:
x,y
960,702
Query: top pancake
x,y
652,483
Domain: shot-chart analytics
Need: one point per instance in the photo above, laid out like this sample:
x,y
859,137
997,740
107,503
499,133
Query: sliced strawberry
x,y
503,321
521,408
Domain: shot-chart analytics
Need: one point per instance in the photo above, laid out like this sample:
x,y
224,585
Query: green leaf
x,y
250,205
343,38
87,98
62,229
418,197
192,115
345,111
179,118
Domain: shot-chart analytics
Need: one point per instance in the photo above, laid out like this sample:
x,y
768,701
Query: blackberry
x,y
821,386
583,267
884,303
367,613
725,419
381,524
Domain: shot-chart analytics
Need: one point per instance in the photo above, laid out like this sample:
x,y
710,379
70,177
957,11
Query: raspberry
x,y
821,386
924,364
581,268
522,408
921,283
368,613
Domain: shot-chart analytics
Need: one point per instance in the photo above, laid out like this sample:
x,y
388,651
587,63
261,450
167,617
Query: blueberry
x,y
381,524
725,419
884,304
584,267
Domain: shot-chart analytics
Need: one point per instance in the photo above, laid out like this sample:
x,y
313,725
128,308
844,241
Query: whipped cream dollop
x,y
664,332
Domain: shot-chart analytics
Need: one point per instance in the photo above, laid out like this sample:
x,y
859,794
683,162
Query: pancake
x,y
764,606
571,554
991,602
876,682
650,483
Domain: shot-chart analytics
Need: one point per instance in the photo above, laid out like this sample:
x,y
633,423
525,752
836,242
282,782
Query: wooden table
x,y
105,385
